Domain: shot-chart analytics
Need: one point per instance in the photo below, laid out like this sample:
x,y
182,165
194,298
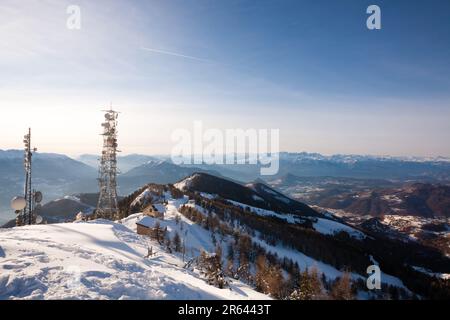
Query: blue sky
x,y
310,68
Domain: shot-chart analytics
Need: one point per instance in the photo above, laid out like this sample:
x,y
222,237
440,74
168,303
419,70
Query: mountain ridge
x,y
258,195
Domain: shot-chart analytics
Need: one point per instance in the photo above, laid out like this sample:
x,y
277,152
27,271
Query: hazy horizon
x,y
121,154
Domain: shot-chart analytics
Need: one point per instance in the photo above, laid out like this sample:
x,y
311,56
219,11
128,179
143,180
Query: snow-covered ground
x,y
98,260
289,218
185,183
106,260
330,227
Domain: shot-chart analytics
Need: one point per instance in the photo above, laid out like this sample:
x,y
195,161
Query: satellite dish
x,y
39,219
38,207
18,203
38,196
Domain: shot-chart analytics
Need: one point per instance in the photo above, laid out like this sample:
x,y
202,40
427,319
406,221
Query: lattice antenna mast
x,y
107,206
26,216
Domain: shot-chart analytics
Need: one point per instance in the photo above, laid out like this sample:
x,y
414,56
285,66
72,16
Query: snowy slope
x,y
186,182
324,226
97,260
330,227
198,238
105,260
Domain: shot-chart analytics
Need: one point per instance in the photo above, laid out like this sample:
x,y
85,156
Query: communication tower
x,y
107,206
25,206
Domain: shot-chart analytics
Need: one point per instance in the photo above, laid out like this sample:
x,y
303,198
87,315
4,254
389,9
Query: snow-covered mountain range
x,y
58,175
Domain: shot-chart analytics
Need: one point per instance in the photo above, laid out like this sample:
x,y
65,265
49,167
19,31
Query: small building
x,y
155,211
144,226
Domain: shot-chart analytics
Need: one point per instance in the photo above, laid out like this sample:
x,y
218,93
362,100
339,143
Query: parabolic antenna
x,y
39,219
18,203
38,196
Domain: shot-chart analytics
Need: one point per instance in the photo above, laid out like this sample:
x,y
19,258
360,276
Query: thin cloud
x,y
175,54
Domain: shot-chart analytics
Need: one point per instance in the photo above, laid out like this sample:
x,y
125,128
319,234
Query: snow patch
x,y
330,227
185,183
444,276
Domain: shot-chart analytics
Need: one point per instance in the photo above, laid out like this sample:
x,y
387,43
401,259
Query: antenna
x,y
107,206
24,206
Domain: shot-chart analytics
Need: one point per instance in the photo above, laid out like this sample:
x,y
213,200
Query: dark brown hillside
x,y
419,199
256,195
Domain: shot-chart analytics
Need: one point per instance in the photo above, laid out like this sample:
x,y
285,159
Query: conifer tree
x,y
261,274
230,270
211,268
177,242
158,233
342,289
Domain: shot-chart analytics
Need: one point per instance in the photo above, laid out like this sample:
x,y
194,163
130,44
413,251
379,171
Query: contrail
x,y
175,54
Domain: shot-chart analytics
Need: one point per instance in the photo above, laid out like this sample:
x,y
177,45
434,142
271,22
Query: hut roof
x,y
145,222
